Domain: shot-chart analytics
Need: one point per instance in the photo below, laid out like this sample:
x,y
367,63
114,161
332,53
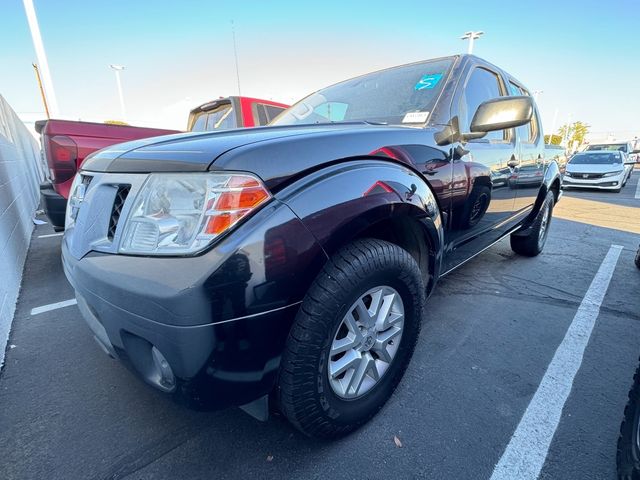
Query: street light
x,y
471,36
118,69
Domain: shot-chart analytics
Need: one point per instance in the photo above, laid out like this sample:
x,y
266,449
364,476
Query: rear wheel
x,y
532,243
638,258
352,338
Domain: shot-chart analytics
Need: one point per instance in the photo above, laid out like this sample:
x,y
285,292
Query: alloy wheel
x,y
366,342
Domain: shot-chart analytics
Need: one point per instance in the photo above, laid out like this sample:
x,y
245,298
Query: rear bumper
x,y
54,204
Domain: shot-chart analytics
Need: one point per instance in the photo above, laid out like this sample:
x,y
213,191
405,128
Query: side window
x,y
272,111
259,114
263,113
526,133
482,85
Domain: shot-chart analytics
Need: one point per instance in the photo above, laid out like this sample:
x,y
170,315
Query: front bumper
x,y
607,183
54,204
220,320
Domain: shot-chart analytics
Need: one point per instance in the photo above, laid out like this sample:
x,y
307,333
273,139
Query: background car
x,y
608,170
616,146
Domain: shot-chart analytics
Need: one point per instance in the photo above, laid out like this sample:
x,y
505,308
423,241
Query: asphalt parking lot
x,y
68,411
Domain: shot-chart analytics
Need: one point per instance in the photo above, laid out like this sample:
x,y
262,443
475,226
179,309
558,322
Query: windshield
x,y
596,159
220,118
399,95
614,147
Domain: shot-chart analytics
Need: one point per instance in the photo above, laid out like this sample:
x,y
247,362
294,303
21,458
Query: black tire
x,y
533,243
628,454
305,395
638,258
476,206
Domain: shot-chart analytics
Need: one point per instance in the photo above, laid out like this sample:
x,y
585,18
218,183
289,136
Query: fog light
x,y
615,183
167,379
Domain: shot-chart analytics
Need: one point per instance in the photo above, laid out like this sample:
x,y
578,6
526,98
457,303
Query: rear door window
x,y
526,133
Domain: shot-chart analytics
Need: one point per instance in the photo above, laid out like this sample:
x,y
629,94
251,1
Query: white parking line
x,y
51,235
527,450
53,306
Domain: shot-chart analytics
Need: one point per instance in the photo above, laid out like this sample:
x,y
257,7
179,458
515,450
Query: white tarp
x,y
21,171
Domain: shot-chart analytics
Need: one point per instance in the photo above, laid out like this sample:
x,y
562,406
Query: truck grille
x,y
118,203
105,200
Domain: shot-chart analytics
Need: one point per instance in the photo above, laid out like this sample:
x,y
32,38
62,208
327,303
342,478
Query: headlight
x,y
613,174
76,196
182,213
567,174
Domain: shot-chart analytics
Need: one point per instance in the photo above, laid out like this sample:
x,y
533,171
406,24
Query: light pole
x,y
118,69
42,57
471,36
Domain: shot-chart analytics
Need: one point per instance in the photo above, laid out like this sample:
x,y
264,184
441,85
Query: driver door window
x,y
482,85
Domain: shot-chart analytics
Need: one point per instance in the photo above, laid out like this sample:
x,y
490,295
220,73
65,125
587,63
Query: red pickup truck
x,y
65,144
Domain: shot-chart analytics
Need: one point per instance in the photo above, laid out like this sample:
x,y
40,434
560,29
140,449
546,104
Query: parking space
x,y
491,331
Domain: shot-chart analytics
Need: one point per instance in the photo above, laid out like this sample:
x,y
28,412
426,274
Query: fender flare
x,y
339,202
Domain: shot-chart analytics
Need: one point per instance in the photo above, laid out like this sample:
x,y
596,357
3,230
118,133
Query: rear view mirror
x,y
502,113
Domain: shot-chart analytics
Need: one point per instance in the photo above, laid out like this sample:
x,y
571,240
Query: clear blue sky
x,y
584,55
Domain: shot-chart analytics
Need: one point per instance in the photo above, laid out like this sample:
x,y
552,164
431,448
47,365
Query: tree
x,y
576,131
553,139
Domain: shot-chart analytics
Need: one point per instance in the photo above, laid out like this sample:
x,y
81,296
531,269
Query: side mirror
x,y
502,113
496,114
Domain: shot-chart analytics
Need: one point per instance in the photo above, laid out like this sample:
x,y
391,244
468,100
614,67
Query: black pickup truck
x,y
288,266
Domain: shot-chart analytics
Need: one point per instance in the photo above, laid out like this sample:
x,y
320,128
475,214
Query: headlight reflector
x,y
182,213
613,174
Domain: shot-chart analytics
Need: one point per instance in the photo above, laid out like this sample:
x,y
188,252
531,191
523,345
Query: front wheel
x,y
532,243
352,339
638,258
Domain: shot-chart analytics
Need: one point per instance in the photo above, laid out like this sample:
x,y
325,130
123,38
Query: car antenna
x,y
235,55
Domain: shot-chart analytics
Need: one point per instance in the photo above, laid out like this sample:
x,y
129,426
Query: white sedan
x,y
606,170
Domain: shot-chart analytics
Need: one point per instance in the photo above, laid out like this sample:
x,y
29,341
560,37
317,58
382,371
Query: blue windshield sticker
x,y
428,81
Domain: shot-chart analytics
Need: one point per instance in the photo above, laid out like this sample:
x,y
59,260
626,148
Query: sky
x,y
584,56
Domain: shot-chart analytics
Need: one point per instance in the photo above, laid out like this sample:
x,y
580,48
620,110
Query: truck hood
x,y
273,153
185,151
